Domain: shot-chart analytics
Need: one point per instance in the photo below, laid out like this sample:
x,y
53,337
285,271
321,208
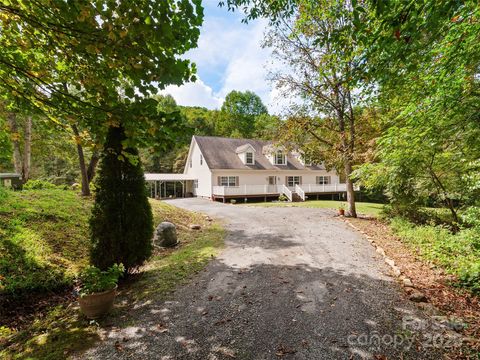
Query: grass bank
x,y
364,208
43,239
58,331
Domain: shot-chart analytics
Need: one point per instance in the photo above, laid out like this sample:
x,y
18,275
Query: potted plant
x,y
341,210
98,289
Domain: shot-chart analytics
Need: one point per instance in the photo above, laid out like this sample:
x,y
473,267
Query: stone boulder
x,y
166,235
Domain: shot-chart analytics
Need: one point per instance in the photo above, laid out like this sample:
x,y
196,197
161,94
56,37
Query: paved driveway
x,y
292,283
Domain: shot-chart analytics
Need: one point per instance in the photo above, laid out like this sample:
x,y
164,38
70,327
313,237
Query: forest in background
x,y
32,146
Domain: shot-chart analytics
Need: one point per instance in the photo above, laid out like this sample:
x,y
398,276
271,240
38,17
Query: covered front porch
x,y
297,192
169,186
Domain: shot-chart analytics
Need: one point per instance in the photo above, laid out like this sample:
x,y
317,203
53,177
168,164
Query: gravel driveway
x,y
292,283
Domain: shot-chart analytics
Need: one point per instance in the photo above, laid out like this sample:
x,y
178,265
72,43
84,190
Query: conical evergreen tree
x,y
121,224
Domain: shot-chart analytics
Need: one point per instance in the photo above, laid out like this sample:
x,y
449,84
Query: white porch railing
x,y
287,192
318,188
300,192
246,190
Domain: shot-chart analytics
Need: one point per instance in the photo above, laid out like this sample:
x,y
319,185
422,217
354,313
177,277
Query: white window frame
x,y
296,180
282,156
252,159
228,181
324,180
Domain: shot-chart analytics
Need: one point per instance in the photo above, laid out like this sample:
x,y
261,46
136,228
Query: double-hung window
x,y
201,159
228,181
249,158
293,180
324,180
280,158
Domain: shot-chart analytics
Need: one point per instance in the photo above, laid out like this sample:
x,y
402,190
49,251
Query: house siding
x,y
199,171
260,177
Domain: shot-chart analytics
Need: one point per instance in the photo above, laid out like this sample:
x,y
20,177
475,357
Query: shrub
x,y
470,278
121,223
93,280
282,197
38,185
458,253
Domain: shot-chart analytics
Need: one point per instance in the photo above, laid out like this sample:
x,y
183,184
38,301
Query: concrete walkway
x,y
292,283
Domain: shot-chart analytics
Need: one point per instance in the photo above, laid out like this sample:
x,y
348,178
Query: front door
x,y
272,180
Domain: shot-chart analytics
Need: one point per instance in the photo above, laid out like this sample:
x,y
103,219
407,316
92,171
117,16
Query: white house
x,y
224,168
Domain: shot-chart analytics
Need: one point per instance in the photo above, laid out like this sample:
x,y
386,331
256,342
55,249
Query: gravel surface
x,y
292,283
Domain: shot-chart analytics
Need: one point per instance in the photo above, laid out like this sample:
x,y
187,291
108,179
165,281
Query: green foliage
x,y
471,216
238,114
93,280
38,185
105,47
458,253
282,197
43,239
470,278
6,146
121,222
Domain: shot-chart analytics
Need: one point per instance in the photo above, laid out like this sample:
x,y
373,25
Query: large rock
x,y
166,235
418,296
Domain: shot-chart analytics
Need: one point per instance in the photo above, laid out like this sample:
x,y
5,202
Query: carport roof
x,y
168,177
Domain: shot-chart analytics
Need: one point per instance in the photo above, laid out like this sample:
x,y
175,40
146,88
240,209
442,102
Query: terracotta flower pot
x,y
341,212
96,305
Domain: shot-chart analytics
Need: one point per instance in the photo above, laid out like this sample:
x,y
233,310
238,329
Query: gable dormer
x,y
246,153
277,155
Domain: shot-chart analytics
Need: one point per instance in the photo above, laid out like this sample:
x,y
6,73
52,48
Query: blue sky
x,y
229,57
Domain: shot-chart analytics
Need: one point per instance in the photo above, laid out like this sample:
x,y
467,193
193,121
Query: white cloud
x,y
194,94
229,57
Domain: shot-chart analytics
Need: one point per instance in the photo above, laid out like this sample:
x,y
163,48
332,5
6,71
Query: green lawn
x,y
365,208
43,239
44,242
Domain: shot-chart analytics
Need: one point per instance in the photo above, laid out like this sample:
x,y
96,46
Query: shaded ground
x,y
459,305
292,283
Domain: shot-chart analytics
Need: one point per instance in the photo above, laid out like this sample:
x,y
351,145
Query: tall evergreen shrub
x,y
121,223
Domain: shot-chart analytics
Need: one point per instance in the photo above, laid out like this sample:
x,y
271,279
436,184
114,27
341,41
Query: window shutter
x,y
237,183
219,180
300,180
286,180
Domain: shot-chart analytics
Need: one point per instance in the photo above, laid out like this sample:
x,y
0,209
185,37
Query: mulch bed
x,y
431,280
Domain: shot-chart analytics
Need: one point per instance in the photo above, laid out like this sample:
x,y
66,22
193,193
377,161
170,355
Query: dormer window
x,y
246,153
249,160
280,158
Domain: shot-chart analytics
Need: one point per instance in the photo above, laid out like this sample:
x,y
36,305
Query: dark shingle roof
x,y
220,153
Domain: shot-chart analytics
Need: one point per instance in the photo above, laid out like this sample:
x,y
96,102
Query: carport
x,y
168,186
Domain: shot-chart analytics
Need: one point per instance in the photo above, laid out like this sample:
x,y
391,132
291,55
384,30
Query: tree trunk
x,y
92,166
352,211
27,149
15,136
83,168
